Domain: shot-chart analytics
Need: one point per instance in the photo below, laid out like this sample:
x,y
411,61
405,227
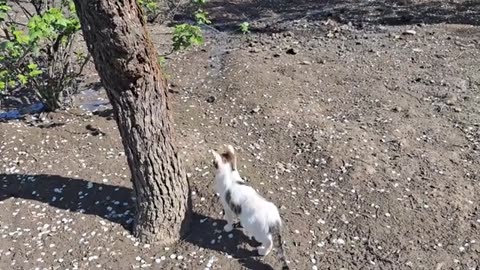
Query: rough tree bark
x,y
126,61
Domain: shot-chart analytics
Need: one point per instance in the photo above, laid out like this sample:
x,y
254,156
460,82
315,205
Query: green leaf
x,y
4,8
34,73
21,37
202,17
186,35
22,78
151,6
32,66
244,27
199,2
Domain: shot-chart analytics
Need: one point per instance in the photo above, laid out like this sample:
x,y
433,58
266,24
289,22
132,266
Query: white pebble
x,y
91,258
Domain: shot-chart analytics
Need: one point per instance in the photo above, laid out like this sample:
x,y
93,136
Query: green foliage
x,y
161,60
186,35
199,2
4,8
39,55
150,7
244,27
202,17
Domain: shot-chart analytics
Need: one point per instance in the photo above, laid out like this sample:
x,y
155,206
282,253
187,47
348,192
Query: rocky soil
x,y
360,121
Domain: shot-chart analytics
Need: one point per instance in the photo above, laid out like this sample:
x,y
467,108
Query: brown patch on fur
x,y
228,157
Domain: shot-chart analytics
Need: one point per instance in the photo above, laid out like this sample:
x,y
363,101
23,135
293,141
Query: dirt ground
x,y
361,121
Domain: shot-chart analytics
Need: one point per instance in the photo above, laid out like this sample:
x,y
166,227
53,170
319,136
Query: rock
x,y
306,63
292,51
457,109
211,99
397,109
370,169
254,50
234,122
276,55
451,99
256,110
410,32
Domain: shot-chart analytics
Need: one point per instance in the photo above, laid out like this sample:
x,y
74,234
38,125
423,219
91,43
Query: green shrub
x,y
186,35
40,56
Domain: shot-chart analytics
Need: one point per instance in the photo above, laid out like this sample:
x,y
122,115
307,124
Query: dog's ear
x,y
217,158
231,157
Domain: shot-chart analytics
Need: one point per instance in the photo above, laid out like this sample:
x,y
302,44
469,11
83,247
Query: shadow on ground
x,y
109,202
227,15
115,204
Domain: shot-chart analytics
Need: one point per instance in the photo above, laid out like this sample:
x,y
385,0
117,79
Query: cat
x,y
259,218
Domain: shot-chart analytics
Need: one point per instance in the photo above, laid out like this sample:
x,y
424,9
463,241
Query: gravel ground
x,y
360,123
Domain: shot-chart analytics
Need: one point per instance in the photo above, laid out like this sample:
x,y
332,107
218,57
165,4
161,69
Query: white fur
x,y
257,214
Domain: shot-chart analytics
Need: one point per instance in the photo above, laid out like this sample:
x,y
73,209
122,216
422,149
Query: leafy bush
x,y
186,35
151,9
39,55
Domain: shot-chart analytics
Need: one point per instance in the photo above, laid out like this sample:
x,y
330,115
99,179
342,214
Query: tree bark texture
x,y
126,61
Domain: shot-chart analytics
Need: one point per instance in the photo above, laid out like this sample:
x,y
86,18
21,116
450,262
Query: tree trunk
x,y
126,61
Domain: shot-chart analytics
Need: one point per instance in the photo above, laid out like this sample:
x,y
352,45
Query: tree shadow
x,y
112,203
229,14
116,204
205,232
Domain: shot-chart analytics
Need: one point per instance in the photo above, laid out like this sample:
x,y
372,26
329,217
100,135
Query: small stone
x,y
397,109
457,109
211,99
451,100
292,51
410,32
306,63
256,110
338,241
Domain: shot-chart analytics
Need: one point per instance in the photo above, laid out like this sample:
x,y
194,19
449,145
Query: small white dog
x,y
259,218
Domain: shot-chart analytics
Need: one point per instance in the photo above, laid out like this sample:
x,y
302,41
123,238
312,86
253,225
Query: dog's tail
x,y
275,231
